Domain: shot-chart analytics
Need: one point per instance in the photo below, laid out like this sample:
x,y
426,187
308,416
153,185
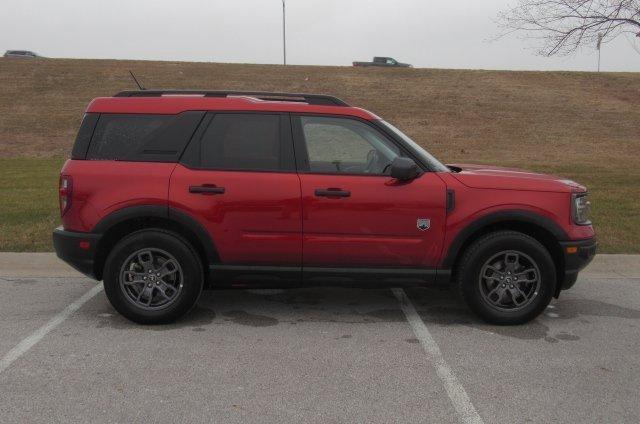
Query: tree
x,y
563,26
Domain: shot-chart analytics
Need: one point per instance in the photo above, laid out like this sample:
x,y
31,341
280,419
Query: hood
x,y
484,176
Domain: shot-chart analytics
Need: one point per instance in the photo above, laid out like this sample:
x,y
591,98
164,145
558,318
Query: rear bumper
x,y
77,249
585,250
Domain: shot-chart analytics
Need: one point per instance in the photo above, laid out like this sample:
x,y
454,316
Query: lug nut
x,y
511,286
504,285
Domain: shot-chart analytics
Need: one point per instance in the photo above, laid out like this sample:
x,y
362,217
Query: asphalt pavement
x,y
316,355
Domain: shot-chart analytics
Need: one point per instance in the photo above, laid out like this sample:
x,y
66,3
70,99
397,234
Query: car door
x,y
237,178
354,214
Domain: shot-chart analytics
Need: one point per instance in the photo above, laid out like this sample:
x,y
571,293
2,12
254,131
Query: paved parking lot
x,y
317,355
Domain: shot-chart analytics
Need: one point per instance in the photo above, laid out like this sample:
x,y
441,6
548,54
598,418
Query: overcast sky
x,y
426,33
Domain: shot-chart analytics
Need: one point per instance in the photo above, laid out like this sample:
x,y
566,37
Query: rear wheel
x,y
153,277
507,277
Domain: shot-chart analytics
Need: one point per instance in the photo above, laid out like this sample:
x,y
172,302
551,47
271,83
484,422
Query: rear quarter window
x,y
83,139
122,137
142,137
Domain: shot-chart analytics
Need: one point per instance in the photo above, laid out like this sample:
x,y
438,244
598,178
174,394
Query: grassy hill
x,y
583,126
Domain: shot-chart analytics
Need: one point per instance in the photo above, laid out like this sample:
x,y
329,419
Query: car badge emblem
x,y
423,224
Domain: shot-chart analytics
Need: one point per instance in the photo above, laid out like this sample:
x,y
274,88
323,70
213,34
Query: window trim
x,y
193,160
302,156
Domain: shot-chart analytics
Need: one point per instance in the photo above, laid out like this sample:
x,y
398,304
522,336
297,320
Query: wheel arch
x,y
124,221
541,228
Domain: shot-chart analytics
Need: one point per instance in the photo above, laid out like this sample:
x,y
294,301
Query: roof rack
x,y
312,99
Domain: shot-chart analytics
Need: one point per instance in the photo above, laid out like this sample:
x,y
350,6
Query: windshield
x,y
424,156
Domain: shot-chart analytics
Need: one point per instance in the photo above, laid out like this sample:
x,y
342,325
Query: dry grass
x,y
580,125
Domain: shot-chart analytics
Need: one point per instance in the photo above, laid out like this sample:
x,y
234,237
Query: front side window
x,y
236,141
346,146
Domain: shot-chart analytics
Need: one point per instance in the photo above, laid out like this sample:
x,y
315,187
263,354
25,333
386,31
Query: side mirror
x,y
404,169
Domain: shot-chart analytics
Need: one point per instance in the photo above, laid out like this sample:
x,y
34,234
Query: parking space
x,y
320,355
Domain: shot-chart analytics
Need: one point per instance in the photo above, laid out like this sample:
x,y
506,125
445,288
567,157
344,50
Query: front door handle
x,y
206,189
332,192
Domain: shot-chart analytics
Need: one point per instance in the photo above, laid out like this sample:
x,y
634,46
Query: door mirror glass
x,y
404,169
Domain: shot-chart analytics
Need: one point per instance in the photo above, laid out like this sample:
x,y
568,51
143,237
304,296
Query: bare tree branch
x,y
563,26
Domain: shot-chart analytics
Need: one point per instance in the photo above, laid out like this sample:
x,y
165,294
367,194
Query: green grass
x,y
29,205
29,210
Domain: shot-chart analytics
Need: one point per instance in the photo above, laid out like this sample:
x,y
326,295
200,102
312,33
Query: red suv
x,y
170,192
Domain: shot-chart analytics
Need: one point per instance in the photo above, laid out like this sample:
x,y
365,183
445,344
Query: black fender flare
x,y
127,213
178,216
518,216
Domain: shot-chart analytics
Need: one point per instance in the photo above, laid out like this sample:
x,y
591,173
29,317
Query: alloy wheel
x,y
151,278
509,280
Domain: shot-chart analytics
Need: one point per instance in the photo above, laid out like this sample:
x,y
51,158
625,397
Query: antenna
x,y
136,80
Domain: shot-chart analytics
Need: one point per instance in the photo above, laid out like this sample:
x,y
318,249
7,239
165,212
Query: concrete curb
x,y
45,264
34,265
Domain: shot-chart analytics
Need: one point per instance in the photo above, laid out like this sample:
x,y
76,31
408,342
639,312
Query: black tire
x,y
480,293
165,245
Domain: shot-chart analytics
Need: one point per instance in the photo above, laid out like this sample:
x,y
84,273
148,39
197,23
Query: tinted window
x,y
346,146
243,142
83,139
119,137
156,138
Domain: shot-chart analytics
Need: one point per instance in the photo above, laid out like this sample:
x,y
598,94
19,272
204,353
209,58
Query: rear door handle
x,y
332,192
206,189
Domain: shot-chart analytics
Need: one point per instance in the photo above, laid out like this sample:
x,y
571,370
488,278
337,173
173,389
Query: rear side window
x,y
120,137
83,139
140,137
251,142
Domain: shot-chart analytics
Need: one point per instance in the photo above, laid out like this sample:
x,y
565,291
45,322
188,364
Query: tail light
x,y
66,193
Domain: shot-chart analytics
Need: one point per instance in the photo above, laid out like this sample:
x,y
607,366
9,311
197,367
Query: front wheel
x,y
507,277
153,277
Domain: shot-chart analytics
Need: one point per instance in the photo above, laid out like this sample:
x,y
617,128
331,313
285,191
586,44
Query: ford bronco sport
x,y
170,192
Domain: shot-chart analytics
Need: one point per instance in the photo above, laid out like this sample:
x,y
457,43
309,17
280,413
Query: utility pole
x,y
284,35
598,46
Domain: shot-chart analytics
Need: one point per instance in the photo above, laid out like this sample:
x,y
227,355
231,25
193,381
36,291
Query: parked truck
x,y
384,61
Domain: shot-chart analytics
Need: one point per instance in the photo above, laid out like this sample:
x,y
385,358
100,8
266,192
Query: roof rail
x,y
312,99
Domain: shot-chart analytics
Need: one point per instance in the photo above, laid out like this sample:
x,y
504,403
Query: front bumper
x,y
577,255
77,249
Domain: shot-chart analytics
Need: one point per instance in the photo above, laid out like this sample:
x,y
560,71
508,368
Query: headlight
x,y
580,206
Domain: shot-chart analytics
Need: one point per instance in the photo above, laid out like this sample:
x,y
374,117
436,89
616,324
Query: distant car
x,y
21,53
384,61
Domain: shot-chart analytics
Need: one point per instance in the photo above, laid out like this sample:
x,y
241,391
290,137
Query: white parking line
x,y
28,342
461,403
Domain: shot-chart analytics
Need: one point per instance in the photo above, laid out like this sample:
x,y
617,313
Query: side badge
x,y
423,224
